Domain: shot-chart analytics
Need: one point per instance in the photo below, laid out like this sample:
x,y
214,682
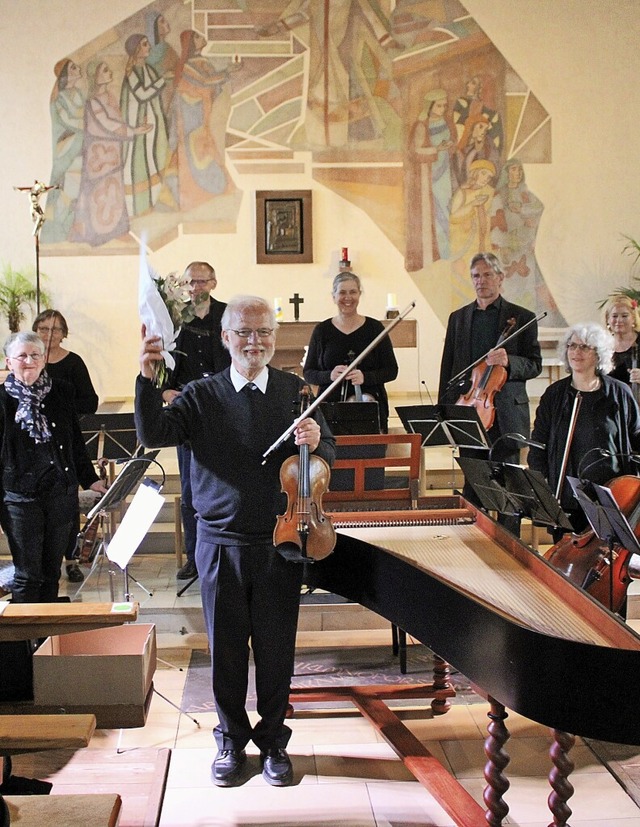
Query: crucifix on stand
x,y
296,301
36,191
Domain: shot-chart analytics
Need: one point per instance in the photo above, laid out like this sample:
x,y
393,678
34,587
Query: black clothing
x,y
199,350
74,371
608,419
623,362
330,347
249,591
40,492
525,362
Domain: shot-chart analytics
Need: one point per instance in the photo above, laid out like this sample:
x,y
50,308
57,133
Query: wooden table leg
x,y
559,778
441,676
497,783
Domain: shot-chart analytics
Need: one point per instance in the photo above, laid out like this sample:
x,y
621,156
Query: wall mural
x,y
402,107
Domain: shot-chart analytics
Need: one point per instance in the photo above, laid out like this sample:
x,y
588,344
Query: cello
x,y
486,381
304,532
603,572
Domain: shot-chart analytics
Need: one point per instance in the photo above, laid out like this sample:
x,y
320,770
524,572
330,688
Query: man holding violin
x,y
475,330
249,591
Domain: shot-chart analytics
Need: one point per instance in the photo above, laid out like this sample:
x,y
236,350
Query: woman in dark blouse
x,y
51,327
337,341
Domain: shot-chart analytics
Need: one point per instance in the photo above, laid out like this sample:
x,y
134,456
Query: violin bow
x,y
383,334
508,338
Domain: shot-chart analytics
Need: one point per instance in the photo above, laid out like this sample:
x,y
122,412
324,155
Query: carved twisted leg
x,y
441,675
497,783
559,778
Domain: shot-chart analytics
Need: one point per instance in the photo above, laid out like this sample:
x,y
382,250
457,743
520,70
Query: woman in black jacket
x,y
607,419
43,458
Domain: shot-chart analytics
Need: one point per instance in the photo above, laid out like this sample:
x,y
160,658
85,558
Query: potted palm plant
x,y
17,293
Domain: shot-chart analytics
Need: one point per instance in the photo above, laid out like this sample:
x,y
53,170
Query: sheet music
x,y
142,511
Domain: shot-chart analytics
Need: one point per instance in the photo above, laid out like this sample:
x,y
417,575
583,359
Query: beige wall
x,y
581,60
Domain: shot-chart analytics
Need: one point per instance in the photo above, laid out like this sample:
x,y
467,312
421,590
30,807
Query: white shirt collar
x,y
240,381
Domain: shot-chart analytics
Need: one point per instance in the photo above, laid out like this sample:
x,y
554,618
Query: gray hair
x,y
238,304
23,337
342,277
490,259
595,336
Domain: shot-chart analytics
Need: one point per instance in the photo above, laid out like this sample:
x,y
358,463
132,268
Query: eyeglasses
x,y
580,346
261,332
23,357
50,330
198,282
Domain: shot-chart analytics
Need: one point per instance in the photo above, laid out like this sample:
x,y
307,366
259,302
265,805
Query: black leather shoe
x,y
188,571
276,767
74,574
226,769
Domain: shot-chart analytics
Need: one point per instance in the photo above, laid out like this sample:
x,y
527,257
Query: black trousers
x,y
250,594
38,533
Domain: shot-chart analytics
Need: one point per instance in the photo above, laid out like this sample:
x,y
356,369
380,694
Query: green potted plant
x,y
631,248
17,292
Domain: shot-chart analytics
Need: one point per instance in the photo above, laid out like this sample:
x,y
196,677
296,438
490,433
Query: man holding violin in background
x,y
475,330
249,591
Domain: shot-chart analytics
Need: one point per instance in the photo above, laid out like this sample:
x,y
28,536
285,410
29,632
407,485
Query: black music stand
x,y
487,480
605,518
455,425
109,436
536,500
352,418
128,478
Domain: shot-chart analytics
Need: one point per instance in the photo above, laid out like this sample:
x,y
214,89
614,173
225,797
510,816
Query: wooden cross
x,y
296,301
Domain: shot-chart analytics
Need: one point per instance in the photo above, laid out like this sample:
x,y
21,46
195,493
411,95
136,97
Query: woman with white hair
x,y
607,419
43,458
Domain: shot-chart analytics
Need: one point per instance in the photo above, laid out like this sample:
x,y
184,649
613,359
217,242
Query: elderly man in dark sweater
x,y
249,591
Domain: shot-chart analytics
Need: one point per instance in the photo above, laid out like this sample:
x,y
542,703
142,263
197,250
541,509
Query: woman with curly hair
x,y
607,419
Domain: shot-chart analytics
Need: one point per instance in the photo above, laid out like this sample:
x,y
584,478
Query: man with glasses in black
x,y
198,352
474,330
250,592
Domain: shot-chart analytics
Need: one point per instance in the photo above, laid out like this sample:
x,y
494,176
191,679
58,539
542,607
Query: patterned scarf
x,y
29,414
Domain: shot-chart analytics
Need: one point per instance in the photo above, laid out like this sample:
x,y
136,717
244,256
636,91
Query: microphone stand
x,y
383,333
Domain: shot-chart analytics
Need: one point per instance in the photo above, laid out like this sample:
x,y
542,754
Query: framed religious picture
x,y
283,227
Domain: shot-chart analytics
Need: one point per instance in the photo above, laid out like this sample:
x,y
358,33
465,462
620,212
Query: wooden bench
x,y
92,810
33,733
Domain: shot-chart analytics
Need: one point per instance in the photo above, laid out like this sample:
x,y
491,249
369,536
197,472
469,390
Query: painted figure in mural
x,y
101,212
469,229
342,106
140,104
67,113
196,169
515,217
429,183
162,57
471,105
475,145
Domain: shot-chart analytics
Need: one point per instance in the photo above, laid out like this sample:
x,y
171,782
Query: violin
x,y
357,395
587,561
87,541
486,382
304,532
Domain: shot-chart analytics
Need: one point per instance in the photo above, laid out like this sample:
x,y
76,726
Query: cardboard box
x,y
108,672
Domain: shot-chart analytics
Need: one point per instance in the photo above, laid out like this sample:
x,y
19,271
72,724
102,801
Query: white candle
x,y
391,300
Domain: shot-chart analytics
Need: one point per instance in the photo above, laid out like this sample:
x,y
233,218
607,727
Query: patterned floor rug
x,y
330,667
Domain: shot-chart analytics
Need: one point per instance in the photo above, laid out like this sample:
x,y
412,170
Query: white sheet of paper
x,y
142,511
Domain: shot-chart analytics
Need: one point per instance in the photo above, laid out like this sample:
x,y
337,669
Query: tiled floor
x,y
345,774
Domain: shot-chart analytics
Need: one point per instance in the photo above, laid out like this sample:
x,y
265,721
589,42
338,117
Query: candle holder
x,y
344,264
